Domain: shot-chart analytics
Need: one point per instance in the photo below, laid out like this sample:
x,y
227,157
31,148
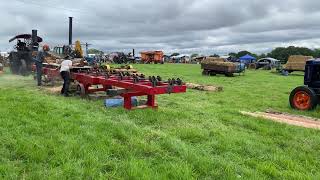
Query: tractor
x,y
307,97
20,59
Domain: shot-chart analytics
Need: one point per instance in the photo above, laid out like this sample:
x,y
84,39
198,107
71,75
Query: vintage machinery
x,y
307,97
69,51
131,84
266,64
155,57
20,60
121,58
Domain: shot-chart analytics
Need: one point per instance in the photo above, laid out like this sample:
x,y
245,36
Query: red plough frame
x,y
133,85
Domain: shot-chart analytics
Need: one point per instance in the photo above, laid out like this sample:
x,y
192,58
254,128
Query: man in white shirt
x,y
65,74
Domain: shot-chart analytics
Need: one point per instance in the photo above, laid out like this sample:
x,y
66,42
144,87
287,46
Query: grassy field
x,y
196,135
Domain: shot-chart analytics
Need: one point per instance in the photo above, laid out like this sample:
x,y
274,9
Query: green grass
x,y
196,135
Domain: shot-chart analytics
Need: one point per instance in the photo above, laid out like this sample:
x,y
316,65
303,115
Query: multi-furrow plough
x,y
130,84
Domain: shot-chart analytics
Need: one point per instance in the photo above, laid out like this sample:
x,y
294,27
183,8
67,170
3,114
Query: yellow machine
x,y
78,49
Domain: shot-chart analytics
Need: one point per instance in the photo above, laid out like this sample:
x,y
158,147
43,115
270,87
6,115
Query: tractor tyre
x,y
81,91
205,72
212,73
303,98
228,74
13,63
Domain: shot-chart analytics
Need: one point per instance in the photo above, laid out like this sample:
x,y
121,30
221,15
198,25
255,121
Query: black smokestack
x,y
34,39
70,31
133,53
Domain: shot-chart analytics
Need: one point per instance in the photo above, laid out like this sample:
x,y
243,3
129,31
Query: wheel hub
x,y
302,100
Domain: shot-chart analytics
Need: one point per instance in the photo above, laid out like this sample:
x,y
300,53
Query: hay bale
x,y
210,60
218,64
297,62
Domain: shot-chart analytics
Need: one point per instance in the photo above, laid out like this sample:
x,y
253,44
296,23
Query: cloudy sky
x,y
186,26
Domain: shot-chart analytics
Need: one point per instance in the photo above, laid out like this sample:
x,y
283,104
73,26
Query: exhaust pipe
x,y
34,40
70,31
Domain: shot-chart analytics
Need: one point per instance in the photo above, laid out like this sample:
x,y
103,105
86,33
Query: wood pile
x,y
201,87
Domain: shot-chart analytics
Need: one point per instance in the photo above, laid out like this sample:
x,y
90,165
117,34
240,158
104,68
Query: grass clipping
x,y
201,87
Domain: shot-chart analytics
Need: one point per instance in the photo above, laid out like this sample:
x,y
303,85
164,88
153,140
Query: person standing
x,y
39,60
65,74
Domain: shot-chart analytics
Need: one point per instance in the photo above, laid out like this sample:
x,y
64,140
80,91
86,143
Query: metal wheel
x,y
303,98
205,72
81,91
23,67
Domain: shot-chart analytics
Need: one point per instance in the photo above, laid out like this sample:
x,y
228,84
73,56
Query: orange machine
x,y
152,57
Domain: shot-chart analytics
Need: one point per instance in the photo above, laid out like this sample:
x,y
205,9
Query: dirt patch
x,y
201,87
295,120
52,90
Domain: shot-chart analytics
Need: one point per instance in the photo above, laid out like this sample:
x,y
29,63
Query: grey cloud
x,y
181,25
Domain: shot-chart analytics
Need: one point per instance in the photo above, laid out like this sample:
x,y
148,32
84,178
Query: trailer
x,y
131,84
155,57
213,66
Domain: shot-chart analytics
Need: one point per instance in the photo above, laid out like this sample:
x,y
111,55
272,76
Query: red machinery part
x,y
303,98
141,88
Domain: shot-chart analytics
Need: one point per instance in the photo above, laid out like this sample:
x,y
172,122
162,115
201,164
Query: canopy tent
x,y
247,58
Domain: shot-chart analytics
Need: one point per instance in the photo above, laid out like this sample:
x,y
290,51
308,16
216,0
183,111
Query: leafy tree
x,y
94,51
262,56
316,53
283,53
232,54
243,53
215,55
175,54
194,55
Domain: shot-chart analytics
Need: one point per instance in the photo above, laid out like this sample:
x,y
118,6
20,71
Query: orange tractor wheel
x,y
303,98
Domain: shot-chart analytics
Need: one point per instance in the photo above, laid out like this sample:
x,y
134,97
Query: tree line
x,y
281,53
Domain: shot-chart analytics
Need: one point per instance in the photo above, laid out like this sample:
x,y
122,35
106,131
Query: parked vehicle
x,y
155,57
267,63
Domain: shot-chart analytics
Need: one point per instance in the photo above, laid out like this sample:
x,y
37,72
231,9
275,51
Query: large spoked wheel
x,y
81,91
303,98
23,67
